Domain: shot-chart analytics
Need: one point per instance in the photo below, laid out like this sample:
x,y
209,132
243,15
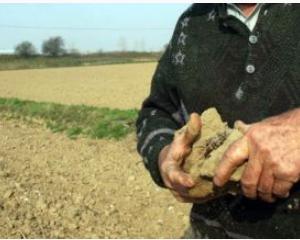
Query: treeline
x,y
53,53
55,47
13,62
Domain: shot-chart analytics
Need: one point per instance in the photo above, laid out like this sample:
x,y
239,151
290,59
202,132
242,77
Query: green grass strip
x,y
74,120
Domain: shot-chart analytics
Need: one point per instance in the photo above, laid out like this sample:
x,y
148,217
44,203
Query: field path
x,y
54,187
121,86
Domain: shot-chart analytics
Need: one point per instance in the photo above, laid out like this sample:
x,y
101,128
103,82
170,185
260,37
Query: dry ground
x,y
121,86
52,186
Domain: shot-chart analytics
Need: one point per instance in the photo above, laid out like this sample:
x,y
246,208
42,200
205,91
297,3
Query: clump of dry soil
x,y
207,151
54,187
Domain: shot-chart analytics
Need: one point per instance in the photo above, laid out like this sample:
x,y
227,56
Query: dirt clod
x,y
207,151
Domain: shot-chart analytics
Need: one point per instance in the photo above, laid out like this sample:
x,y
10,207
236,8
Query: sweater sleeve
x,y
159,116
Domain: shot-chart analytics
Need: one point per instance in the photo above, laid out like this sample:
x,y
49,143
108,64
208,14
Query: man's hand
x,y
171,159
272,151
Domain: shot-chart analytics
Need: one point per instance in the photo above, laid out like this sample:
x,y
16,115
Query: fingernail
x,y
190,183
216,181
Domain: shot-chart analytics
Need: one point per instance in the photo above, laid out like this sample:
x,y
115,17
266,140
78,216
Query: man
x,y
245,61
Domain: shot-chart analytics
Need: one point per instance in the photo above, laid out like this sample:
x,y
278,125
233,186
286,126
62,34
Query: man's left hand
x,y
271,149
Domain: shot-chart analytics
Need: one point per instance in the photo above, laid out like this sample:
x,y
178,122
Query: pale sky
x,y
90,27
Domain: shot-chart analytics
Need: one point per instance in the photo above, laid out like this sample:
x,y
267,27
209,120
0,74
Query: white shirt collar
x,y
250,21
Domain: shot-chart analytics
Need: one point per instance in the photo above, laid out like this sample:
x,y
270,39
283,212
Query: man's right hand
x,y
171,159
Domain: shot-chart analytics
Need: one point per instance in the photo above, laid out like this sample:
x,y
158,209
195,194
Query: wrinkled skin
x,y
271,149
172,157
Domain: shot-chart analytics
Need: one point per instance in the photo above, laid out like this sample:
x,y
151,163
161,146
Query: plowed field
x,y
52,186
120,86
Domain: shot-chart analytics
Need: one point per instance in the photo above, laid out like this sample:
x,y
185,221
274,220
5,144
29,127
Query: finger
x,y
287,173
265,185
235,155
282,188
241,126
185,137
251,176
166,170
178,178
192,130
179,153
267,197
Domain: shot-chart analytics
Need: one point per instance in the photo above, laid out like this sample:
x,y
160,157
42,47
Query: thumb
x,y
191,131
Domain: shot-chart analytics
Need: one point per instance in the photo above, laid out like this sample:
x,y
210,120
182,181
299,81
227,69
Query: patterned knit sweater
x,y
213,60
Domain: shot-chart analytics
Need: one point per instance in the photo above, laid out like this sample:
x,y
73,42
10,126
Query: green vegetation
x,y
53,47
74,120
25,49
13,62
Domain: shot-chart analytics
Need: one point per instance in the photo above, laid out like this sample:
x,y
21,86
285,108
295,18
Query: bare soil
x,y
55,187
122,86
